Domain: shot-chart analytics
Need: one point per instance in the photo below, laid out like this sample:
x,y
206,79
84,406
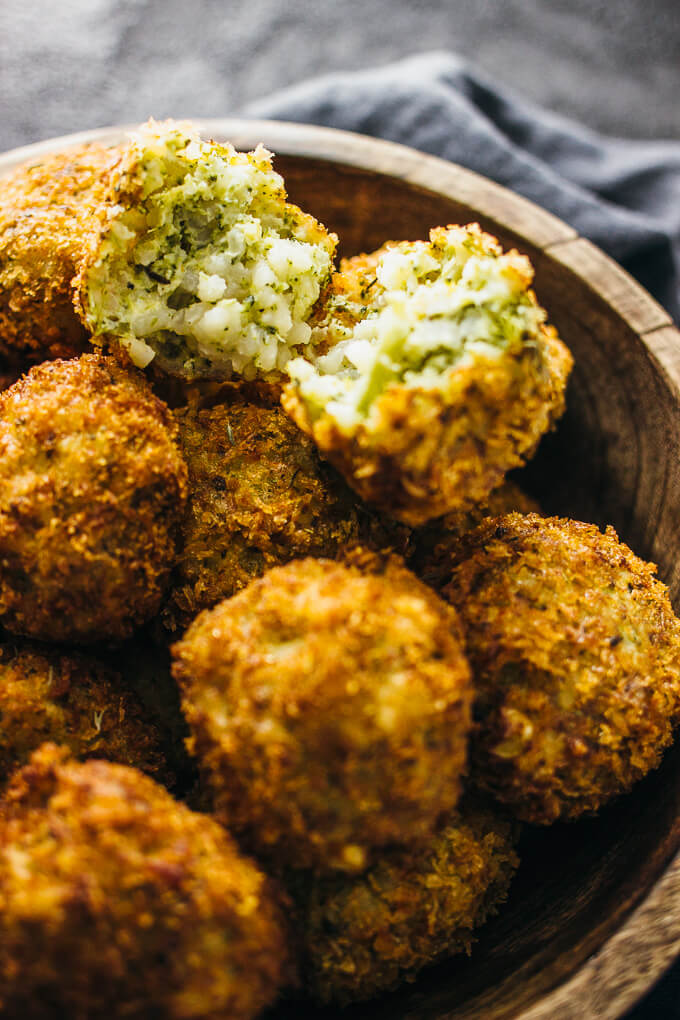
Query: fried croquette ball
x,y
364,935
92,489
329,710
259,496
575,651
201,264
46,208
47,694
117,901
435,546
438,373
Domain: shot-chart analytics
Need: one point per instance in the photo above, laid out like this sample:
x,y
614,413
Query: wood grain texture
x,y
594,914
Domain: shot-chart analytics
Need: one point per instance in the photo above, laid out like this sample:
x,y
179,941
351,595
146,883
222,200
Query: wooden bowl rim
x,y
648,940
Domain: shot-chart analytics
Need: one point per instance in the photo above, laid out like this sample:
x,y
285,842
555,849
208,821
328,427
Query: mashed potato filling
x,y
203,264
431,309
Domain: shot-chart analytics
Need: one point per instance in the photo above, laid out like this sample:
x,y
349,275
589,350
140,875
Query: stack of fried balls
x,y
290,481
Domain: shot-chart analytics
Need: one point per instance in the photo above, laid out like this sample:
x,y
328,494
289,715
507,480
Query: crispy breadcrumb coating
x,y
200,264
438,375
364,935
329,709
259,496
436,545
47,694
46,211
575,651
92,489
119,902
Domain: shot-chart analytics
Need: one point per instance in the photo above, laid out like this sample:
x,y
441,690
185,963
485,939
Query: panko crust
x,y
365,935
575,651
117,901
92,489
329,709
349,294
46,211
47,694
436,546
259,496
429,452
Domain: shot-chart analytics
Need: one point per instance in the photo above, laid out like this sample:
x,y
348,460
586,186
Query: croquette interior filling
x,y
209,269
432,307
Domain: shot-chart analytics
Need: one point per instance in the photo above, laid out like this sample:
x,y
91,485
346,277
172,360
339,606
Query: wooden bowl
x,y
594,913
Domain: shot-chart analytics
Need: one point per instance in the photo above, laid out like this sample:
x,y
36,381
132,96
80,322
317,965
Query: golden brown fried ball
x,y
575,651
92,489
259,496
436,545
329,710
364,935
119,902
46,210
51,695
438,374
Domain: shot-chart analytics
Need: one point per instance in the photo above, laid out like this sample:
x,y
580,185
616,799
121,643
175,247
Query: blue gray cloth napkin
x,y
622,195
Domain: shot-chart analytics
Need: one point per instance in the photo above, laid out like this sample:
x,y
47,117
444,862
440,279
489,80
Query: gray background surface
x,y
75,64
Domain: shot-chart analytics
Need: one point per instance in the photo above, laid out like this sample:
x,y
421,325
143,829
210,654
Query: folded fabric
x,y
622,195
